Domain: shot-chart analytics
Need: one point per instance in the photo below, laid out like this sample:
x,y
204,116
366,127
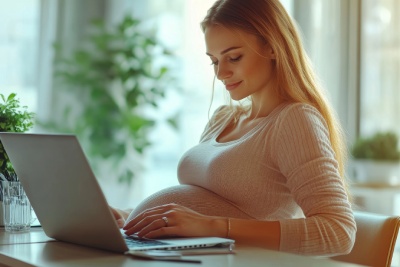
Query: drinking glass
x,y
17,210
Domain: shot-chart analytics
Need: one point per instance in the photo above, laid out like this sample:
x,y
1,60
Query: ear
x,y
270,52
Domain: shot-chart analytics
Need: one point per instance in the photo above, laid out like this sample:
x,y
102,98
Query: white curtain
x,y
64,22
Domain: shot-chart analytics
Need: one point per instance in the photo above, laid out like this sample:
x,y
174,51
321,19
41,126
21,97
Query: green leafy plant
x,y
382,146
13,118
115,78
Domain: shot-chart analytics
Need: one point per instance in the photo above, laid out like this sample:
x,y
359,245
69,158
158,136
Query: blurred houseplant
x,y
377,159
115,79
13,118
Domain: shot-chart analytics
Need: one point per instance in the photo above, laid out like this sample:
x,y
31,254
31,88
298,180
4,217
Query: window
x,y
380,66
18,50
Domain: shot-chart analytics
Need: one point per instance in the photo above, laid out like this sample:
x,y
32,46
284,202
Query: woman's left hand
x,y
174,220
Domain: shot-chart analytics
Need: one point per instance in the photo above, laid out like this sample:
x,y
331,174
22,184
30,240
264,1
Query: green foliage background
x,y
114,77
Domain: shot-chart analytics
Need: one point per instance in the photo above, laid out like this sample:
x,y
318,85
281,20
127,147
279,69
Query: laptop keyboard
x,y
133,241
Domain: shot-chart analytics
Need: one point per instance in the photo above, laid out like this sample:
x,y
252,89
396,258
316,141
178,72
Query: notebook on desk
x,y
68,200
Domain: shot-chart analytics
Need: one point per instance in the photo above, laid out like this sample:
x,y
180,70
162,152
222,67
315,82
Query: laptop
x,y
68,200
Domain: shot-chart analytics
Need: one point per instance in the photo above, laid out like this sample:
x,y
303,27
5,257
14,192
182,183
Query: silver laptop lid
x,y
63,190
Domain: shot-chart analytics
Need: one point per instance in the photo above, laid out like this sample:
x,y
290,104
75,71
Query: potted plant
x,y
377,159
13,118
114,79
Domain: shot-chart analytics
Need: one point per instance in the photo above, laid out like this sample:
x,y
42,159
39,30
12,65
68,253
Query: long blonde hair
x,y
295,79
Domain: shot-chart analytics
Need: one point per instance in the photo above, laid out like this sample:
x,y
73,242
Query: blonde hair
x,y
295,79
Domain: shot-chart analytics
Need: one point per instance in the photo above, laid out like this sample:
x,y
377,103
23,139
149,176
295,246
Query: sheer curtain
x,y
64,22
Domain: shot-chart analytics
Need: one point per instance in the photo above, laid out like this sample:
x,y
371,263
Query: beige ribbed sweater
x,y
283,169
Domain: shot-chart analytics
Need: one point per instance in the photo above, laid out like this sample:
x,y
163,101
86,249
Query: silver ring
x,y
165,220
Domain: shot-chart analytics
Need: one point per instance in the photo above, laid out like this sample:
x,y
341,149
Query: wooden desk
x,y
34,248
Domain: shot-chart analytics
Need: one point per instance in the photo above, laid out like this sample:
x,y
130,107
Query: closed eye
x,y
235,59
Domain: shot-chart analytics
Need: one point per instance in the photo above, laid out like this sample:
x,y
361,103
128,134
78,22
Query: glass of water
x,y
17,213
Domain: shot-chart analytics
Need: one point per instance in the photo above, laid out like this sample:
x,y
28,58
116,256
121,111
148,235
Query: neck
x,y
263,109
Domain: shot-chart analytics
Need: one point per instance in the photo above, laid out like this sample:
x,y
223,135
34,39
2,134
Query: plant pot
x,y
378,173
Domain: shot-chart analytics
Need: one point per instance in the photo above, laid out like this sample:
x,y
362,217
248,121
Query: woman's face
x,y
240,61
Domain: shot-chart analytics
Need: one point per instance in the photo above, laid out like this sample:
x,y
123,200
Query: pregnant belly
x,y
194,197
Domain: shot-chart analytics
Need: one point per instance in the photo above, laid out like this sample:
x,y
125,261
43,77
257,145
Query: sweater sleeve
x,y
305,157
